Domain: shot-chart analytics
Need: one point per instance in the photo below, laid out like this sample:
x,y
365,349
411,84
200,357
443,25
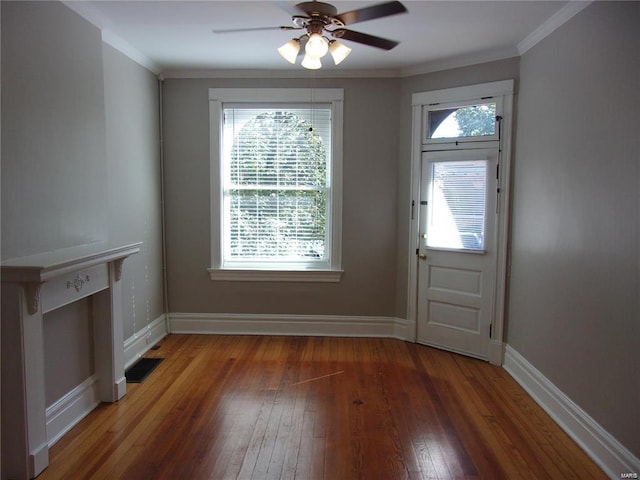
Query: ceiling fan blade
x,y
364,38
252,29
372,12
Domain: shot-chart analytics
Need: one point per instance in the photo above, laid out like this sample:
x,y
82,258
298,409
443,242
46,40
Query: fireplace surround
x,y
31,287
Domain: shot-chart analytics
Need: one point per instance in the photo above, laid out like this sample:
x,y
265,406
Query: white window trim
x,y
500,92
219,96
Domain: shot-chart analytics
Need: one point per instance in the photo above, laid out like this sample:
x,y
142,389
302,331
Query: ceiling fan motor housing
x,y
319,16
317,9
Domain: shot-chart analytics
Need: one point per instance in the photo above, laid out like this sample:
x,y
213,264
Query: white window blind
x,y
457,200
276,185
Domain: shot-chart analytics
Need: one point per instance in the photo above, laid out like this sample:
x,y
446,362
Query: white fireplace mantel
x,y
31,287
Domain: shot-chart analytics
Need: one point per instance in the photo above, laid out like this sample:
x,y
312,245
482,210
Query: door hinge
x,y
490,329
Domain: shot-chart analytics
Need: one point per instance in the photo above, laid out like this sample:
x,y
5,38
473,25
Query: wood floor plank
x,y
317,408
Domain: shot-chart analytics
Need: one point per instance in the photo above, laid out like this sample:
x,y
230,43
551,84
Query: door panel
x,y
457,266
455,280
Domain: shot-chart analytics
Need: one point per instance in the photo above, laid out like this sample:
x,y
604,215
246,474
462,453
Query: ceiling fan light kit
x,y
317,46
289,51
320,18
338,51
311,63
314,51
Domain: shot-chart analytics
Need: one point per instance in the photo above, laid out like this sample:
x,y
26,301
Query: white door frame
x,y
502,89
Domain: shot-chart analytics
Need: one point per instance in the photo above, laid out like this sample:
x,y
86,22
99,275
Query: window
x,y
276,184
456,123
465,121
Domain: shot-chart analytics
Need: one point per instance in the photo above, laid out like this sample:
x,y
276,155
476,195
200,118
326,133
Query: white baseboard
x,y
305,325
142,340
610,455
63,415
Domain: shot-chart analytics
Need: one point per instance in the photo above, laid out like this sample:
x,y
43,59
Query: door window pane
x,y
457,199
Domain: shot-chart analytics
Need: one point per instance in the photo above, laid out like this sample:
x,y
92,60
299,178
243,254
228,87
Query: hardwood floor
x,y
252,407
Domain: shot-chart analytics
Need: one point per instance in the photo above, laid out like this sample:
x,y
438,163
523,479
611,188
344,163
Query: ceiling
x,y
176,36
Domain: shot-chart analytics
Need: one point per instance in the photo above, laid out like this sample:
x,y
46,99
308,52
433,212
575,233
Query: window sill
x,y
330,276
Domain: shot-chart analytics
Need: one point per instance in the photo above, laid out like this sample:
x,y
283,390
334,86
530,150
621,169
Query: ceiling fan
x,y
321,20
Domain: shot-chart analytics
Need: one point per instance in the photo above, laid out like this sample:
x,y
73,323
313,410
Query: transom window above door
x,y
461,122
464,121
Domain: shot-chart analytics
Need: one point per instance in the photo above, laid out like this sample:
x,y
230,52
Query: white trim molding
x,y
309,275
97,19
460,61
291,325
328,269
129,51
281,73
65,413
610,455
141,341
562,16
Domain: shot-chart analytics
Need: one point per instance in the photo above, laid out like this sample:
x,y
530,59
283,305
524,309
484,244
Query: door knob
x,y
422,256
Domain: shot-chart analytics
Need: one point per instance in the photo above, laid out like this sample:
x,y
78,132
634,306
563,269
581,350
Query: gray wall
x,y
574,311
133,160
80,164
371,112
53,144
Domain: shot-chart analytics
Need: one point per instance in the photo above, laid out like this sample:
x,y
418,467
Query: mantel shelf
x,y
45,266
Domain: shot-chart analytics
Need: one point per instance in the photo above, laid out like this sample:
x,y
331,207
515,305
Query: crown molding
x,y
424,68
87,12
126,49
93,16
277,73
460,61
562,16
445,64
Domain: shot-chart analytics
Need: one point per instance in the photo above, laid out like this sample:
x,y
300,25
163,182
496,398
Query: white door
x,y
457,250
